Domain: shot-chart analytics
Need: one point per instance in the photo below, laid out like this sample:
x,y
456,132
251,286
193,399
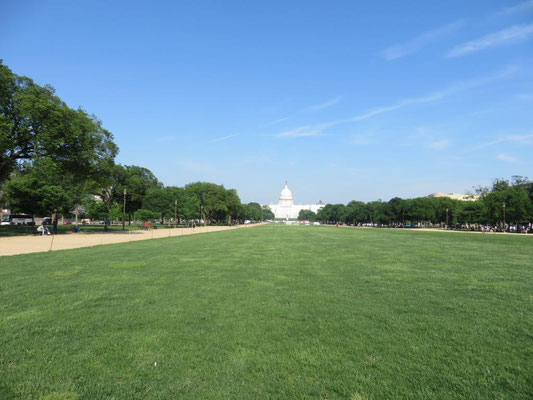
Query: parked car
x,y
67,222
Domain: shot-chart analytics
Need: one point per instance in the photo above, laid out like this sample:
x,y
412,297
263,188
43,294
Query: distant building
x,y
286,209
457,196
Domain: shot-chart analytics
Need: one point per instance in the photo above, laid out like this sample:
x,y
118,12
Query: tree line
x,y
55,159
146,198
506,202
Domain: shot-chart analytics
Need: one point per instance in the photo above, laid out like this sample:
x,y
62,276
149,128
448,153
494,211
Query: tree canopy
x,y
34,123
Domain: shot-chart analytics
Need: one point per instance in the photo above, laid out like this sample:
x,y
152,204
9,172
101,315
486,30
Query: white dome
x,y
286,193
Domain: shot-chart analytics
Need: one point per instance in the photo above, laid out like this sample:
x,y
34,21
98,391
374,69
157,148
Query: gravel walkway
x,y
33,244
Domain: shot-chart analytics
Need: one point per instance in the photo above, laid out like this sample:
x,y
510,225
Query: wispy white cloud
x,y
439,144
516,9
426,38
506,158
454,88
417,43
323,106
279,120
438,95
526,140
220,139
300,131
500,38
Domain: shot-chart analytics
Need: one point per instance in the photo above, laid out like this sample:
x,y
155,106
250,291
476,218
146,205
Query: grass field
x,y
272,312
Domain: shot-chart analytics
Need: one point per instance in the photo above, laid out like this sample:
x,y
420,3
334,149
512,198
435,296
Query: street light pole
x,y
446,218
503,207
124,212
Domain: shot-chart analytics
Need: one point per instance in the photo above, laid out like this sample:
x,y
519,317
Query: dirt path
x,y
33,244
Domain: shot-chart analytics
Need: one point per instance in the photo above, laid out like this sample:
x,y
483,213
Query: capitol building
x,y
286,209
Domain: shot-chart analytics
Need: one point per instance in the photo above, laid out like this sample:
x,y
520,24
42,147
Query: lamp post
x,y
176,212
503,209
446,218
202,209
124,211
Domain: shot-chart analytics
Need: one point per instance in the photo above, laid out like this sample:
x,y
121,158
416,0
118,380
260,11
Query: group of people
x,y
43,229
512,229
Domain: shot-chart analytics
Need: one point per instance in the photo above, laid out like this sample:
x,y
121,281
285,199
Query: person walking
x,y
54,224
146,225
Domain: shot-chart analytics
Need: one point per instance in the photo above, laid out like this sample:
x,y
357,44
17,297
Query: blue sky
x,y
345,100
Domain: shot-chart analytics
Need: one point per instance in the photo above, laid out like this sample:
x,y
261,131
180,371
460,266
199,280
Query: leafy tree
x,y
252,211
95,208
188,205
115,213
43,188
159,201
377,212
211,199
28,195
233,205
137,181
331,213
471,212
493,201
183,203
145,215
395,210
356,212
509,198
421,209
172,200
306,215
35,123
266,213
441,204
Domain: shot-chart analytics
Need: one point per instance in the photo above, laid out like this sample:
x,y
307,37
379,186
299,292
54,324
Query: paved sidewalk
x,y
33,244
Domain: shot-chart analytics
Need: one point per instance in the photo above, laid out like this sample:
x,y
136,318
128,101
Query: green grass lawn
x,y
272,312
